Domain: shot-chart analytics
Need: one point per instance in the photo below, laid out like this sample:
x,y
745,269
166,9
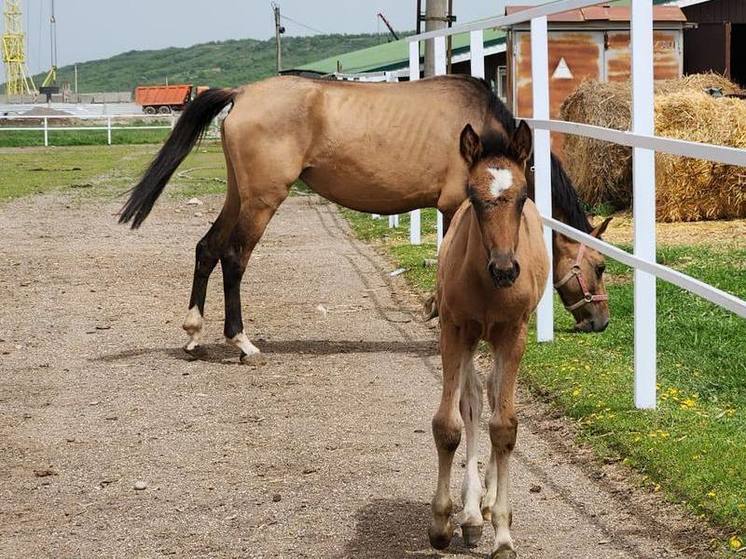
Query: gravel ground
x,y
114,443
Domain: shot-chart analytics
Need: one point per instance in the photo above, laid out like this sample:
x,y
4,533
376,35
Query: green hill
x,y
219,64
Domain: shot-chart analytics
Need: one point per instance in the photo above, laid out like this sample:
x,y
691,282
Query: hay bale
x,y
601,171
697,82
693,189
687,189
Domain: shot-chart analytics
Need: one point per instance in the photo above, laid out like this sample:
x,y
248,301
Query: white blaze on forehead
x,y
502,180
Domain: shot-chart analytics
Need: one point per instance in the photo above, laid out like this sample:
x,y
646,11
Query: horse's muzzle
x,y
504,272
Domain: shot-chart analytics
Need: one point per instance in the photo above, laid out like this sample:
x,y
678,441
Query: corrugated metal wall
x,y
575,56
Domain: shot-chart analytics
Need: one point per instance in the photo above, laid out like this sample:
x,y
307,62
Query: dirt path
x,y
323,452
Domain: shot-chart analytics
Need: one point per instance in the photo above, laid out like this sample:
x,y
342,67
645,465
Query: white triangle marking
x,y
562,71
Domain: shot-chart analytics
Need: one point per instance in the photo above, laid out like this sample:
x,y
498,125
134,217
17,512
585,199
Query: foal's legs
x,y
207,255
455,348
471,491
509,343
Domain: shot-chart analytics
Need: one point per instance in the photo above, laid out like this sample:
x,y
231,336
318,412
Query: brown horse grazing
x,y
380,148
492,270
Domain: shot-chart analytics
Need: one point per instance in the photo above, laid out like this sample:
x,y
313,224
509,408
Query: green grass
x,y
103,171
24,138
693,447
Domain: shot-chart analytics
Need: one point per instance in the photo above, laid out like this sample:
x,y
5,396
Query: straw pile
x,y
687,189
693,189
601,171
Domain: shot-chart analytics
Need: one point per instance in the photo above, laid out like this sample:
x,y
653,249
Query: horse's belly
x,y
370,190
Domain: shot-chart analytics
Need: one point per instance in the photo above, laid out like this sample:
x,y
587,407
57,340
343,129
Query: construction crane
x,y
387,24
18,81
50,82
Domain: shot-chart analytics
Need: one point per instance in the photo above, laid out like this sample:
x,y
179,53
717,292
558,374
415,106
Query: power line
x,y
305,26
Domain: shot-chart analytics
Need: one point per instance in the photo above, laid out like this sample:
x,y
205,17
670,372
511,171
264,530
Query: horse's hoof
x,y
253,359
504,553
440,539
191,347
471,535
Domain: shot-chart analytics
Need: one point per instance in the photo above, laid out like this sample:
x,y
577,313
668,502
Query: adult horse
x,y
381,148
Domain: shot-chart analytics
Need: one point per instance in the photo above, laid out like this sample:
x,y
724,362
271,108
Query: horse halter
x,y
576,272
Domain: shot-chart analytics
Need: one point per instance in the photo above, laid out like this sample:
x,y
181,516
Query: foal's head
x,y
497,190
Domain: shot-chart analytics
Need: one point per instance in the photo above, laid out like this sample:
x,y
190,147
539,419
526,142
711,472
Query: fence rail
x,y
110,125
641,139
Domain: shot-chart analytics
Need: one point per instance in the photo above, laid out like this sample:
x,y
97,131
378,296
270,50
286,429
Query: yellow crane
x,y
18,81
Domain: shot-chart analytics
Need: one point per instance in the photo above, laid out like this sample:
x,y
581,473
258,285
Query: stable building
x,y
717,40
589,44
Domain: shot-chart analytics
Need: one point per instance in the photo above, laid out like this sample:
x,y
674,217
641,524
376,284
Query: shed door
x,y
573,58
707,48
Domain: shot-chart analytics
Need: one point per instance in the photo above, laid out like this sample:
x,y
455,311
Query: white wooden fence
x,y
69,123
644,143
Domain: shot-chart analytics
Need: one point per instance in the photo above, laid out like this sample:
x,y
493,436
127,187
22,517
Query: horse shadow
x,y
394,529
221,353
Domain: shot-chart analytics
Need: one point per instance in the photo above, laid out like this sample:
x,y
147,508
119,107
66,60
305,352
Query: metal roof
x,y
606,12
391,56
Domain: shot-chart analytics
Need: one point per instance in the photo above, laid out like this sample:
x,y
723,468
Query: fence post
x,y
415,236
477,53
643,203
108,129
542,165
391,77
46,132
439,51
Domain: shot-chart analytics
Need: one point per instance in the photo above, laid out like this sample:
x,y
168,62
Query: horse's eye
x,y
600,269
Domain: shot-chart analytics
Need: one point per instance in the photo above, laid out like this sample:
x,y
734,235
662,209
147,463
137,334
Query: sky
x,y
92,29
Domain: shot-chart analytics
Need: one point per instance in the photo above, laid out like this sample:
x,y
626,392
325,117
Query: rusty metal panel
x,y
667,55
573,57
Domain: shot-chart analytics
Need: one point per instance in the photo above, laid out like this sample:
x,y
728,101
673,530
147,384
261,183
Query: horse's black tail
x,y
188,131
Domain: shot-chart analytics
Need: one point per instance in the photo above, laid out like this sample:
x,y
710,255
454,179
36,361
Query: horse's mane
x,y
564,195
565,198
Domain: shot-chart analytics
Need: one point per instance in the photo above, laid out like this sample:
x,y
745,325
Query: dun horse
x,y
380,148
491,273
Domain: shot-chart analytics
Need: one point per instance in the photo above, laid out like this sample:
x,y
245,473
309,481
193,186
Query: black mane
x,y
565,200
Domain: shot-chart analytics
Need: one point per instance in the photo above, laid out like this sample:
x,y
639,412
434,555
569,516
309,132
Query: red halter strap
x,y
576,272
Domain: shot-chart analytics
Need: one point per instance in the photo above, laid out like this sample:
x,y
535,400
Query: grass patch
x,y
29,138
104,170
693,447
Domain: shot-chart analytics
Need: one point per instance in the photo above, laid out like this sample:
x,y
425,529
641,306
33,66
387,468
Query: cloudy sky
x,y
91,29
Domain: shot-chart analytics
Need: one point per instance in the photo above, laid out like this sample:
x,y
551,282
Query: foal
x,y
492,270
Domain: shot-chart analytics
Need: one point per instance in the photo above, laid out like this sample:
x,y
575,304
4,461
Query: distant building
x,y
718,42
590,43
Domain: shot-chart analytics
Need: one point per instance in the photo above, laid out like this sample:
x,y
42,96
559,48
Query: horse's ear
x,y
522,142
600,229
471,145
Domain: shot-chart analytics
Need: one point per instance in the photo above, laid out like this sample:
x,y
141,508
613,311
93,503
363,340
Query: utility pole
x,y
279,30
436,17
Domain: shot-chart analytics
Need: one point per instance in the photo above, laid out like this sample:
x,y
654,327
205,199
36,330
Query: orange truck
x,y
165,99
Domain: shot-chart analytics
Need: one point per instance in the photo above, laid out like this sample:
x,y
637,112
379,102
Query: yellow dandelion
x,y
735,543
712,494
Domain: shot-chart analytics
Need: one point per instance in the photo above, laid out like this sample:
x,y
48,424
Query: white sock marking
x,y
242,342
